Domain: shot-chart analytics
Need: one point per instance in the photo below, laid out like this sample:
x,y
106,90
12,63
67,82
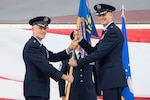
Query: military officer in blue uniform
x,y
107,54
37,60
84,86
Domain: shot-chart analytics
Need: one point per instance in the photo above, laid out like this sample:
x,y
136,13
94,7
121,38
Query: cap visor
x,y
101,13
42,25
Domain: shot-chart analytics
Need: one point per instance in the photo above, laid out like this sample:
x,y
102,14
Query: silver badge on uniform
x,y
34,41
111,26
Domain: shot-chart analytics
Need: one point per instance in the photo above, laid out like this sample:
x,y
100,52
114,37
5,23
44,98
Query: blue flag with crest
x,y
85,21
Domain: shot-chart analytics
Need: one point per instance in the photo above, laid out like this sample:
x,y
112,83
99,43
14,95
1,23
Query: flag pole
x,y
122,10
71,67
122,15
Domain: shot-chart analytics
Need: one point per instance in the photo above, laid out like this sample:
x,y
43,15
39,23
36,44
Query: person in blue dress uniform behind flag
x,y
37,62
107,54
84,86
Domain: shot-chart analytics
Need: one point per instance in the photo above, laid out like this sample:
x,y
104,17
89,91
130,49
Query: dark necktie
x,y
45,51
79,55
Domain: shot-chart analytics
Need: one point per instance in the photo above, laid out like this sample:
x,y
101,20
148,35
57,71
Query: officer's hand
x,y
72,45
70,78
63,98
72,62
77,34
98,98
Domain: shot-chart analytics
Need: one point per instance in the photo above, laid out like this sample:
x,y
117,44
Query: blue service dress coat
x,y
38,68
84,86
108,56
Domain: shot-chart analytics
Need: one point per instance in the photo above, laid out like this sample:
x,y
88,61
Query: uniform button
x,y
80,69
81,81
81,75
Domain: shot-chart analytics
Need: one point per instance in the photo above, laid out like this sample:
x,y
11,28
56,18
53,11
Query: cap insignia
x,y
98,7
45,19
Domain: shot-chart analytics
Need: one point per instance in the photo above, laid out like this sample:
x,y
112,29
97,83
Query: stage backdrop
x,y
12,68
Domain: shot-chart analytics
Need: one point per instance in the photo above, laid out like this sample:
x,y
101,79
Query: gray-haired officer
x,y
36,58
107,54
